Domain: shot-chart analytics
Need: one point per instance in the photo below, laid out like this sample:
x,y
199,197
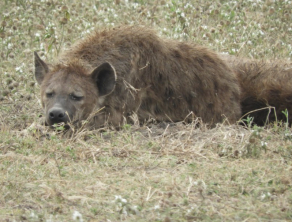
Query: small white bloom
x,y
77,216
118,198
263,143
18,69
33,215
156,207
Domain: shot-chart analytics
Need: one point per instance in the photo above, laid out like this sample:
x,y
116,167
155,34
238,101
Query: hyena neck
x,y
100,102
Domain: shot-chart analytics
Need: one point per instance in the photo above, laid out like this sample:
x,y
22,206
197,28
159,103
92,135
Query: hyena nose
x,y
57,115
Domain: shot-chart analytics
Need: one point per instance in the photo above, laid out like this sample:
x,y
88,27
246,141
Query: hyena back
x,y
130,70
266,89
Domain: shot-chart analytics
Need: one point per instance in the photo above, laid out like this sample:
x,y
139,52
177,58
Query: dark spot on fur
x,y
176,53
168,93
160,77
288,99
274,92
201,62
157,111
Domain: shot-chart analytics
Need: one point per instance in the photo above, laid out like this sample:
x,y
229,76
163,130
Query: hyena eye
x,y
50,95
74,97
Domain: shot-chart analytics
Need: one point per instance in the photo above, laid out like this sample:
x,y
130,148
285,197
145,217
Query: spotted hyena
x,y
115,73
264,84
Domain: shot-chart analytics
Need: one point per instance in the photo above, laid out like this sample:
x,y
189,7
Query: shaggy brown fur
x,y
148,75
264,84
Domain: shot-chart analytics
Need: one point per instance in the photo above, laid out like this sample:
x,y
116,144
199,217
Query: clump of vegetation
x,y
157,172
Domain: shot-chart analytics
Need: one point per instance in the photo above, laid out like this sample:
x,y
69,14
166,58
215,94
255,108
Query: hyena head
x,y
69,93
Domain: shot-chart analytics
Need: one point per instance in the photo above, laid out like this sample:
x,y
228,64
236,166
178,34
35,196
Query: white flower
x,y
156,207
77,216
263,143
204,27
261,32
120,201
18,69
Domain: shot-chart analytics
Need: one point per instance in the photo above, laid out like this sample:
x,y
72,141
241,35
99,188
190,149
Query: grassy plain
x,y
163,172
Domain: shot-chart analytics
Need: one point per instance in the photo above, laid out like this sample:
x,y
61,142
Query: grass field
x,y
160,172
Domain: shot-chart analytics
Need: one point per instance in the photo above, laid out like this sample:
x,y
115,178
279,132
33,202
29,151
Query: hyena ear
x,y
41,68
105,77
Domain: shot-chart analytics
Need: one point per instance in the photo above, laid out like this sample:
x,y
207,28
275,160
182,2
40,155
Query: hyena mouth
x,y
60,126
64,125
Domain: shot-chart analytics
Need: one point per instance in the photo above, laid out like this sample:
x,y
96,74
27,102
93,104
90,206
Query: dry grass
x,y
159,172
